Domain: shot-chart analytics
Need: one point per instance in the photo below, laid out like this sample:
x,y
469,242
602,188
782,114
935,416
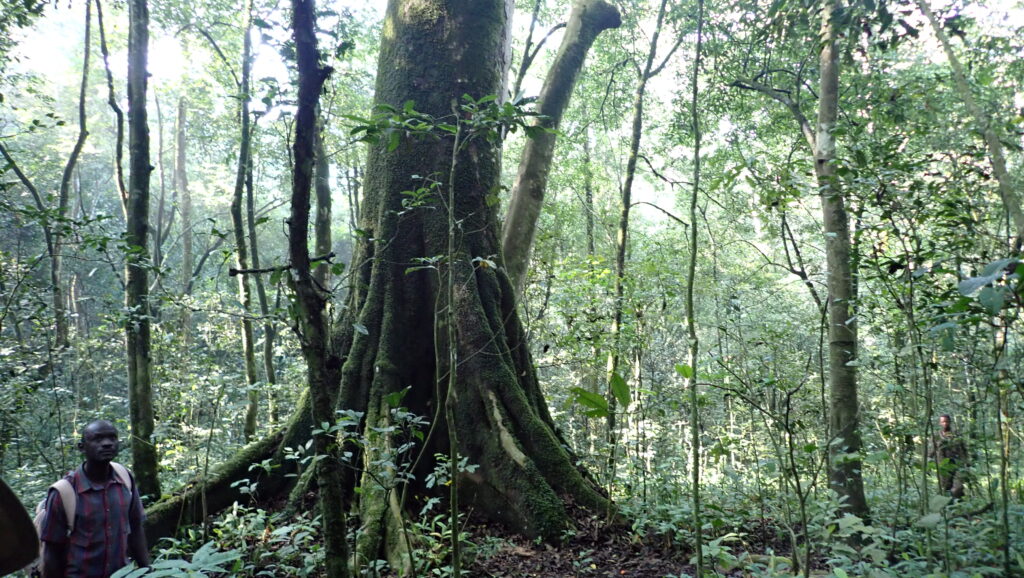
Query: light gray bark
x,y
845,475
588,19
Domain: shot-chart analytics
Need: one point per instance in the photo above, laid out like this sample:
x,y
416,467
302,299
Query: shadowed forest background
x,y
456,287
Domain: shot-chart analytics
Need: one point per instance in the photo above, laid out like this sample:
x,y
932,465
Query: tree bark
x,y
239,226
137,324
435,53
311,299
185,206
322,223
845,475
588,19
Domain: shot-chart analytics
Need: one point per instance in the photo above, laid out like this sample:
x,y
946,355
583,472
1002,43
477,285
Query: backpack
x,y
69,499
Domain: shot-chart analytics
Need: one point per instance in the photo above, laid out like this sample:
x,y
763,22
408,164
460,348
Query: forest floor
x,y
597,554
595,550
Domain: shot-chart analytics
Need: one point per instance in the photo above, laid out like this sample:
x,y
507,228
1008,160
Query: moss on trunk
x,y
389,339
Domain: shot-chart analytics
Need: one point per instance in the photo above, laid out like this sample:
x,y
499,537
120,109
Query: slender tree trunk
x,y
588,19
353,180
691,322
622,238
118,114
137,324
241,244
995,148
269,331
845,475
161,203
322,223
185,206
311,300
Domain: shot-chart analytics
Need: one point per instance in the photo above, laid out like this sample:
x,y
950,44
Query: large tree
x,y
392,336
433,53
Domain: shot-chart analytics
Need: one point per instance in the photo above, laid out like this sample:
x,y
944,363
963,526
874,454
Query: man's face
x,y
99,442
944,423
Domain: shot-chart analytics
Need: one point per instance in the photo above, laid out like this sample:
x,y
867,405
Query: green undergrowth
x,y
960,539
251,542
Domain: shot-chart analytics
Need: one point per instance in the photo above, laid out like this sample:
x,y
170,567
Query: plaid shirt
x,y
104,515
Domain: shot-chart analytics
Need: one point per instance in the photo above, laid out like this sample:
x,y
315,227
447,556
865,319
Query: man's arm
x,y
55,560
54,532
138,550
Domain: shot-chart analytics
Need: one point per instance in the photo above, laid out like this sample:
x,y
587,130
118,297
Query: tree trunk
x,y
185,206
622,238
845,475
122,191
137,324
588,19
503,423
1011,202
386,340
691,322
311,299
241,245
322,223
269,331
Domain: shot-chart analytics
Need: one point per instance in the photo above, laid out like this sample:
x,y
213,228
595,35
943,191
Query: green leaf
x,y
684,370
929,521
394,399
936,503
620,389
969,286
597,403
992,299
360,328
995,268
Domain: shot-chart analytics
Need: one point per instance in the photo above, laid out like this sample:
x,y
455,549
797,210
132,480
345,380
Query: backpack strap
x,y
68,499
121,473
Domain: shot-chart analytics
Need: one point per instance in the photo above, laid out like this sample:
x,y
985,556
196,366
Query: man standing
x,y
950,454
107,528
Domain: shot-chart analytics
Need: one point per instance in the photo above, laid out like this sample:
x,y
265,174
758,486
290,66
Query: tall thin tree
x,y
137,261
238,224
845,475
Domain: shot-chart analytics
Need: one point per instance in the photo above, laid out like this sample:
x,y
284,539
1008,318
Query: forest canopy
x,y
483,287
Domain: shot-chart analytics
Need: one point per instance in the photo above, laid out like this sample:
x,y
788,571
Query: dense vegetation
x,y
777,240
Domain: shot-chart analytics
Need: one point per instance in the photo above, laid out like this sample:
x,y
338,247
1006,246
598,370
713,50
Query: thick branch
x,y
995,148
588,19
782,97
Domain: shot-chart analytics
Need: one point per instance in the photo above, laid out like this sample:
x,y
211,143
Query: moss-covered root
x,y
200,498
384,532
